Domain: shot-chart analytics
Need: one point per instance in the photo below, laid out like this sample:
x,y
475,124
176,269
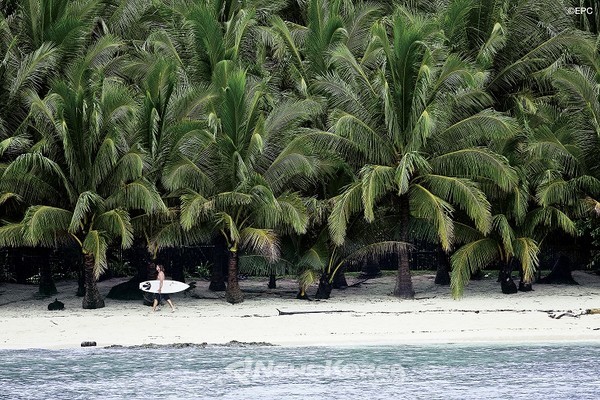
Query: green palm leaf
x,y
466,194
470,258
95,244
43,225
425,204
264,242
526,250
117,224
82,211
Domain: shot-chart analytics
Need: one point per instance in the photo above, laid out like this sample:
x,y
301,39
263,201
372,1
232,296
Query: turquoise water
x,y
398,372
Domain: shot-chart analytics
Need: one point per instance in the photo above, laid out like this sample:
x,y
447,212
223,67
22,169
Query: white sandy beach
x,y
370,316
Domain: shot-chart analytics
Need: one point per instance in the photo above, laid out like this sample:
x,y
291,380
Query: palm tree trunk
x,y
507,284
272,281
233,294
442,276
92,298
404,287
47,263
325,287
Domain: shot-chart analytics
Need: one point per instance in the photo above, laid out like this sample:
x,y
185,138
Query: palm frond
x,y
505,231
549,218
476,162
526,250
465,194
344,206
86,202
411,163
470,258
45,225
373,252
96,245
425,204
264,242
194,208
228,225
116,223
137,195
293,213
11,235
33,69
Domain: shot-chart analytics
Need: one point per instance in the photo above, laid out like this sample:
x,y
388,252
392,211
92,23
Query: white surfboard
x,y
168,286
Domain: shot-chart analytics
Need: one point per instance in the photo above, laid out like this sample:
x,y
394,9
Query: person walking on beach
x,y
160,296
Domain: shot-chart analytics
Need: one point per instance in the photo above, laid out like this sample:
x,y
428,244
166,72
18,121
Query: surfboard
x,y
168,286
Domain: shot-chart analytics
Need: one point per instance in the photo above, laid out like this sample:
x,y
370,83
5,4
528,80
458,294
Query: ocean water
x,y
475,372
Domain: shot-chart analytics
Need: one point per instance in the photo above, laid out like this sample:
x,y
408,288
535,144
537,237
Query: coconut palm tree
x,y
513,42
37,40
171,108
517,44
365,242
559,176
242,172
86,176
414,121
304,51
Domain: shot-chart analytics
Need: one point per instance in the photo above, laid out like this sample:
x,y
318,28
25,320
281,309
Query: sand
x,y
370,316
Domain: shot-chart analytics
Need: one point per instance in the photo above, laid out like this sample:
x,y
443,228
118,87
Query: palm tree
x,y
303,52
414,121
86,176
324,260
216,31
517,44
37,42
513,42
171,108
241,172
559,176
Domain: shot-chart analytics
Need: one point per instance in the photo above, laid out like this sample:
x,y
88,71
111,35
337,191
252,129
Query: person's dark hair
x,y
161,267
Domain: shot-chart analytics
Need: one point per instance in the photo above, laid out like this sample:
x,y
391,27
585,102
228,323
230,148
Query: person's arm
x,y
161,278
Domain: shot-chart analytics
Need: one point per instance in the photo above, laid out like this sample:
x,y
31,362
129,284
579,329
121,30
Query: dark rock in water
x,y
203,345
88,344
56,305
235,343
507,283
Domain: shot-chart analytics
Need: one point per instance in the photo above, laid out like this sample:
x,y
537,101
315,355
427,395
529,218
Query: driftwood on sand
x,y
312,312
574,314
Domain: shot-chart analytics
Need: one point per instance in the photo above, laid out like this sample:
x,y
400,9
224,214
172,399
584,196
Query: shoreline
x,y
358,316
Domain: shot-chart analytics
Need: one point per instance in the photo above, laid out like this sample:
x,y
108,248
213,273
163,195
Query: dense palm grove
x,y
299,136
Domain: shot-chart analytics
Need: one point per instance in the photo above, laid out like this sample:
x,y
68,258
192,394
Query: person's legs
x,y
168,300
171,304
156,301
